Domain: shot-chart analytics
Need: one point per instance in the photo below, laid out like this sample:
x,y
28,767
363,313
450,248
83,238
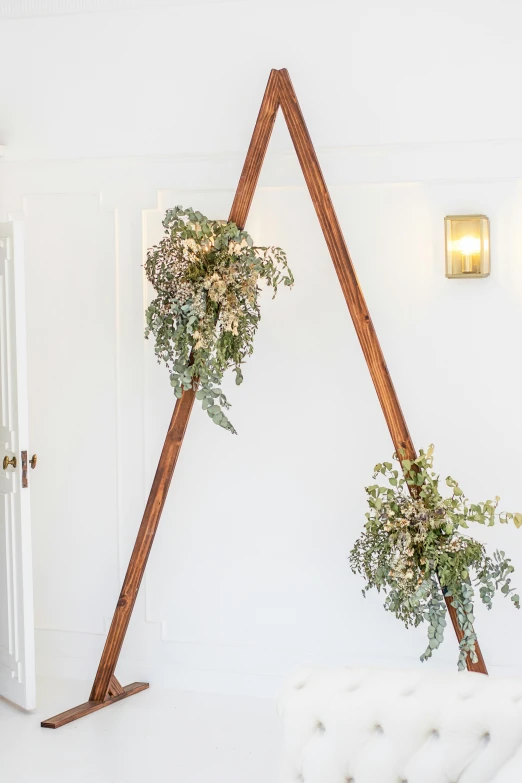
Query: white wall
x,y
414,114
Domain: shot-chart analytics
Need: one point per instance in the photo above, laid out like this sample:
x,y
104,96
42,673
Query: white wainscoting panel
x,y
72,326
249,576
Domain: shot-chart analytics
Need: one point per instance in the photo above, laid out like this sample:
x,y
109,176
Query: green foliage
x,y
413,550
206,311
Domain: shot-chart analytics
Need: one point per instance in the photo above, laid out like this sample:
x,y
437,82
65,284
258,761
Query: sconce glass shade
x,y
467,246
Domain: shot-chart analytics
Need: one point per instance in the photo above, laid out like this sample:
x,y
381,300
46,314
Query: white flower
x,y
191,244
236,247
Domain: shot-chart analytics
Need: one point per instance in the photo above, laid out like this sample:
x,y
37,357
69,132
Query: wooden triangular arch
x,y
279,93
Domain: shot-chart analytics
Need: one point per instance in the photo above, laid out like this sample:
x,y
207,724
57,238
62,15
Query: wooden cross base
x,y
279,93
116,693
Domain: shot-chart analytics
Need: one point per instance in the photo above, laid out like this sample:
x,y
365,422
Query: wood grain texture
x,y
140,554
344,267
256,152
115,689
279,92
169,456
101,688
352,292
92,706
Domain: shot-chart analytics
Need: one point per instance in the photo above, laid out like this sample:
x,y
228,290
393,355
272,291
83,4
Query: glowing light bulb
x,y
468,246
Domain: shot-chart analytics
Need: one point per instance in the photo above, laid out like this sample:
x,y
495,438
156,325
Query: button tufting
x,y
463,712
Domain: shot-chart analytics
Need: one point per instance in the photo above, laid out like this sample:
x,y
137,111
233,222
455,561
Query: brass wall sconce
x,y
467,246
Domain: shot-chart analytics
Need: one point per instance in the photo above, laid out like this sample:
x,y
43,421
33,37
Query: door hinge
x,y
32,463
25,482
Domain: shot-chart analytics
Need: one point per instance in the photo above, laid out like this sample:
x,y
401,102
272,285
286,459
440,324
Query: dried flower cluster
x,y
414,550
206,274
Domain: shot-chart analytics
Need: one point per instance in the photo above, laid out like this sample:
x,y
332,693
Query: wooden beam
x,y
343,266
353,295
145,539
92,706
183,408
171,448
279,92
256,152
115,689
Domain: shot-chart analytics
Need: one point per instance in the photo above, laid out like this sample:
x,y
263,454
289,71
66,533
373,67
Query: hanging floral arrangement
x,y
206,274
414,549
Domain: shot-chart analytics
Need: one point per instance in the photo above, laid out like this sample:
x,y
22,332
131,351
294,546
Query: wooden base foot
x,y
91,706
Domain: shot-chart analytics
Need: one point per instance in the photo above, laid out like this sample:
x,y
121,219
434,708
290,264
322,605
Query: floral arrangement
x,y
414,549
206,274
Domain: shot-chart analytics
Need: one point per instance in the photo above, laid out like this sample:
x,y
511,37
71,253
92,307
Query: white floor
x,y
157,736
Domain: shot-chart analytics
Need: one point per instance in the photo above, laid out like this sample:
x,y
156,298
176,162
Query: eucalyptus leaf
x,y
206,274
414,550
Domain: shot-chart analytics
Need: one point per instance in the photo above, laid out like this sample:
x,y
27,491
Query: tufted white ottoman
x,y
394,726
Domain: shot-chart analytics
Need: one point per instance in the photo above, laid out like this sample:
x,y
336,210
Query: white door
x,y
17,665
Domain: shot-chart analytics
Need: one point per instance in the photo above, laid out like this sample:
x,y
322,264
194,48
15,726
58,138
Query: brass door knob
x,y
8,462
33,461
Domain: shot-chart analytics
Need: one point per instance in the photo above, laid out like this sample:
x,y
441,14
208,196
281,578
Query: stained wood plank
x,y
115,689
145,539
169,456
343,266
352,291
256,152
91,706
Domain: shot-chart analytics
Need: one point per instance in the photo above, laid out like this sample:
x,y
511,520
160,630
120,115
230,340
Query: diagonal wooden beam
x,y
343,265
171,448
256,152
353,295
182,410
279,92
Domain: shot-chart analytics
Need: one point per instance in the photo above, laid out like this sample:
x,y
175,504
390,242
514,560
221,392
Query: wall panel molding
x,y
474,161
194,627
15,9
